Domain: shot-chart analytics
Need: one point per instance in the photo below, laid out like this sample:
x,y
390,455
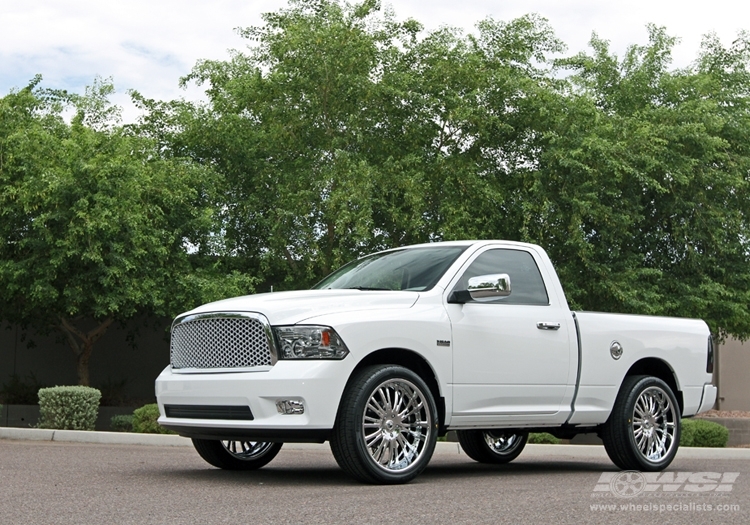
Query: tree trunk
x,y
82,366
82,344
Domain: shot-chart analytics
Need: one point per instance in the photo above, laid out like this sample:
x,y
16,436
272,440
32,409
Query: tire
x,y
643,430
236,455
492,446
387,426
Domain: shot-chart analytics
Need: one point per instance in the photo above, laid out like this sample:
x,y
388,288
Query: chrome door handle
x,y
548,326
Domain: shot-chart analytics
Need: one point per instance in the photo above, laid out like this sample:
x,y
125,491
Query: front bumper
x,y
318,386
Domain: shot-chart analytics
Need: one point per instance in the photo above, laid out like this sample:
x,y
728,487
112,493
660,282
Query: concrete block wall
x,y
27,416
113,361
732,375
52,362
739,429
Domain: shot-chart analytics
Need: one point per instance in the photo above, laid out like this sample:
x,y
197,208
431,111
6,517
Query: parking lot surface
x,y
50,482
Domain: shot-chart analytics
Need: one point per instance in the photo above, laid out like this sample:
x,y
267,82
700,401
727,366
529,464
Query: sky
x,y
147,45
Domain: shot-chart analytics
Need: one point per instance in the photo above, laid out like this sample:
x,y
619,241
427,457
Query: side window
x,y
527,286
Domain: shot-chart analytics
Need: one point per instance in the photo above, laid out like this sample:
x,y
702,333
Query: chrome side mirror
x,y
489,286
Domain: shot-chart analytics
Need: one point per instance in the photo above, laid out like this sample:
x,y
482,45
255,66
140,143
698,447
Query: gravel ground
x,y
724,413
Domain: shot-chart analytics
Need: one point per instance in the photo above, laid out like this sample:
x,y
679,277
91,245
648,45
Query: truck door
x,y
511,355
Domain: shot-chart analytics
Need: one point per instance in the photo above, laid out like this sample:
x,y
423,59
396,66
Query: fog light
x,y
290,406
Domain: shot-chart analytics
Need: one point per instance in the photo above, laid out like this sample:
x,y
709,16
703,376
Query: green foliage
x,y
144,420
341,130
687,433
122,423
543,438
703,433
641,192
18,391
97,225
68,407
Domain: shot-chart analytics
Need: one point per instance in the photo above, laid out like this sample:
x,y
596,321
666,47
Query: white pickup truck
x,y
399,347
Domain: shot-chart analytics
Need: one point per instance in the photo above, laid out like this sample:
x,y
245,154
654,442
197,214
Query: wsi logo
x,y
631,483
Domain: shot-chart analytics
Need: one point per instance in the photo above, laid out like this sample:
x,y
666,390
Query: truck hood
x,y
283,308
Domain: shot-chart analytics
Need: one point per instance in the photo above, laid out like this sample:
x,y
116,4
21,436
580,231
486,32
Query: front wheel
x,y
387,426
236,455
492,446
643,430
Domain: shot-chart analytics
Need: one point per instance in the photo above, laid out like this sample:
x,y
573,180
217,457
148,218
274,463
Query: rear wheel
x,y
492,446
237,455
387,426
643,430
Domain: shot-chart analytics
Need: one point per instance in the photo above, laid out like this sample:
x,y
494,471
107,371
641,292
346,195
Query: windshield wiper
x,y
367,288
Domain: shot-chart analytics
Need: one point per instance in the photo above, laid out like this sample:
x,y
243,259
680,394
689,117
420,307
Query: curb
x,y
442,447
82,436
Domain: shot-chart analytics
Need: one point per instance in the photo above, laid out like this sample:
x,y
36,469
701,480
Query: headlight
x,y
309,342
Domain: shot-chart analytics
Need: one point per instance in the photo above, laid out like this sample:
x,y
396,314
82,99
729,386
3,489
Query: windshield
x,y
414,269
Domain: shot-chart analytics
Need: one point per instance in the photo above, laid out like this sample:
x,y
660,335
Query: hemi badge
x,y
441,342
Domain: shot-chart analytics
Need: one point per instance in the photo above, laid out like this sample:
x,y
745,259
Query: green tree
x,y
97,226
341,131
641,188
289,122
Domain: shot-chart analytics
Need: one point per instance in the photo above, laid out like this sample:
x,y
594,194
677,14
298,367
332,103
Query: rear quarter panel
x,y
680,343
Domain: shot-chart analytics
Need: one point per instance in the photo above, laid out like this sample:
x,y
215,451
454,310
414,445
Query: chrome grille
x,y
220,342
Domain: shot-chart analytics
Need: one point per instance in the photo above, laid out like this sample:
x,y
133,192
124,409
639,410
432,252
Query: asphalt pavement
x,y
167,440
62,477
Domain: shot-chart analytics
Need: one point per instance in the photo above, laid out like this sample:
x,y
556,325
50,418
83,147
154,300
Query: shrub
x,y
144,420
68,407
703,433
121,423
687,433
543,438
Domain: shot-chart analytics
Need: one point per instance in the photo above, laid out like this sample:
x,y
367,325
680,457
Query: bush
x,y
703,433
68,407
121,423
144,420
543,438
687,433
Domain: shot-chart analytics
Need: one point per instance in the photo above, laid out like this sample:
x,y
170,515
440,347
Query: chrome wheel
x,y
498,446
643,429
247,450
396,425
236,455
386,426
654,424
502,443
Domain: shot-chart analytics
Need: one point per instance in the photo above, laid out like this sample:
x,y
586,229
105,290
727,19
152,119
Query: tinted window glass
x,y
413,269
526,282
